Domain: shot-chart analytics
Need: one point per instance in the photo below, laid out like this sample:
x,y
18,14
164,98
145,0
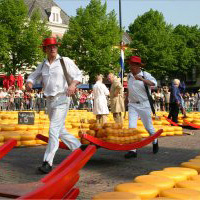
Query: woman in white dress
x,y
100,109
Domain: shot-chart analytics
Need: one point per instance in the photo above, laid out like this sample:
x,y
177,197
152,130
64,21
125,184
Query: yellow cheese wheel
x,y
163,134
12,136
144,135
181,193
195,178
143,190
32,127
194,160
1,138
178,128
28,143
178,132
171,133
193,165
116,195
195,185
183,170
20,127
40,142
162,183
8,127
173,175
28,136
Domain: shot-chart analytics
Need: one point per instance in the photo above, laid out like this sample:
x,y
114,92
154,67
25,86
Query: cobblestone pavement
x,y
106,168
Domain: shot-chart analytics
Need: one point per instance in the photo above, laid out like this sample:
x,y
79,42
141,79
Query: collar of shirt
x,y
47,61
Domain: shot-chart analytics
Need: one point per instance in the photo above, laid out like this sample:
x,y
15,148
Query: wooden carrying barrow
x,y
58,184
108,145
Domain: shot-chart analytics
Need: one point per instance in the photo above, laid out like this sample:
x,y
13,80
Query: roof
x,y
44,7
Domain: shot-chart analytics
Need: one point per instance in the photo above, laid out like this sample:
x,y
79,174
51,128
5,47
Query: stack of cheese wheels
x,y
170,130
143,132
178,130
12,135
162,183
145,191
190,184
28,139
196,122
182,170
20,127
193,165
181,193
173,175
116,195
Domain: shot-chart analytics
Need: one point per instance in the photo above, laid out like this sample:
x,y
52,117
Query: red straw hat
x,y
135,59
50,41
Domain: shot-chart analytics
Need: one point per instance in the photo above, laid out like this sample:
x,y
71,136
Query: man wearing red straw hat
x,y
57,91
138,102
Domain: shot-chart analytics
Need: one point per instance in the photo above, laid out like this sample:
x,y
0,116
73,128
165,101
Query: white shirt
x,y
53,78
136,88
100,92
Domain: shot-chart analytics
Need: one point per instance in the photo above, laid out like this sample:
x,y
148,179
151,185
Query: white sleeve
x,y
72,69
149,77
106,91
34,76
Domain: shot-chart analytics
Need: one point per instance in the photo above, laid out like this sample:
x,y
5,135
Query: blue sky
x,y
186,12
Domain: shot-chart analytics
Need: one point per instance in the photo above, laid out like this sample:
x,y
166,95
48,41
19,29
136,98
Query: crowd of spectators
x,y
161,97
15,99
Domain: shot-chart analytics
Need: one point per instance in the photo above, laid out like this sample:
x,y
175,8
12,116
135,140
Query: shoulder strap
x,y
64,70
149,97
42,65
67,77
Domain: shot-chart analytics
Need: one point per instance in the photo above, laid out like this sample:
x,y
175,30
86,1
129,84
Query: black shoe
x,y
45,168
131,154
155,148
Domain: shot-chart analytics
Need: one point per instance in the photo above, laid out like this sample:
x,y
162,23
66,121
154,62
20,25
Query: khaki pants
x,y
101,119
118,117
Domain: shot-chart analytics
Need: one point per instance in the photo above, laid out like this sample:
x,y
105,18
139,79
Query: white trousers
x,y
57,113
143,111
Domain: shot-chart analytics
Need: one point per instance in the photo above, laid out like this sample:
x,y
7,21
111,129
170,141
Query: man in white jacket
x,y
57,92
100,109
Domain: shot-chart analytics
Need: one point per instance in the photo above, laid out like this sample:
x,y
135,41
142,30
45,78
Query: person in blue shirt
x,y
176,100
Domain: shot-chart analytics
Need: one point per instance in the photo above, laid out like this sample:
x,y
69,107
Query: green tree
x,y
20,36
187,48
154,41
91,38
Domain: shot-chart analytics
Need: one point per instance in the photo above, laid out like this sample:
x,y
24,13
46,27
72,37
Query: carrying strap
x,y
67,77
149,97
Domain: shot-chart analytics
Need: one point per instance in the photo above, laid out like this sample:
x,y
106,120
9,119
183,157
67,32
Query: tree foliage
x,y
152,38
20,36
90,39
187,48
167,51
